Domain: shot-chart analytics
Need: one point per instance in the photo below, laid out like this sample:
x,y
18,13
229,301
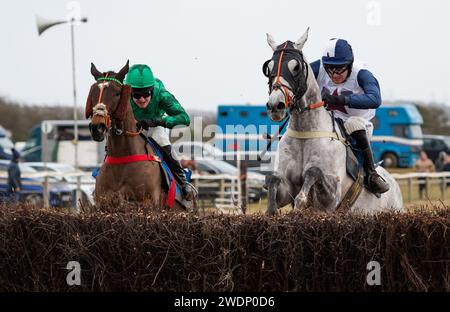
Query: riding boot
x,y
175,167
375,182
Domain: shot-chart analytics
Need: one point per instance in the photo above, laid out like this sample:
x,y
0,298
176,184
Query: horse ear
x,y
271,42
301,42
124,102
121,74
95,72
88,109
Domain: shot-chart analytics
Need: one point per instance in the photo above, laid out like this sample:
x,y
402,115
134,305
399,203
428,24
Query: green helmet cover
x,y
140,76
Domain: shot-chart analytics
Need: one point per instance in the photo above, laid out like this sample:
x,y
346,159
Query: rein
x,y
311,106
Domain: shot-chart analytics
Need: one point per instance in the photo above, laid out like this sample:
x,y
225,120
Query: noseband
x,y
298,82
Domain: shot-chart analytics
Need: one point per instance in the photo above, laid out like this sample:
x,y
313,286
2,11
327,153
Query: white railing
x,y
46,184
43,174
227,200
219,190
442,179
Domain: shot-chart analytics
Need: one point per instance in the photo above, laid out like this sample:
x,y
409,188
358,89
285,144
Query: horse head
x,y
107,102
287,71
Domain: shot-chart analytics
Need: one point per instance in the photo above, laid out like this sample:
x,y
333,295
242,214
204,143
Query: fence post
x,y
244,187
222,187
46,192
78,197
410,189
427,186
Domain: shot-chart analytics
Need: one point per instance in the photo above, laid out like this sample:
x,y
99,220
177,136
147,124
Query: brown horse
x,y
131,169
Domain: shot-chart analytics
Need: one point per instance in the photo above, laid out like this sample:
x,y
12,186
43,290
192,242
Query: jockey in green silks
x,y
157,110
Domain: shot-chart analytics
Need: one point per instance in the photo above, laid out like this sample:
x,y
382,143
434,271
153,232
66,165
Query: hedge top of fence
x,y
299,251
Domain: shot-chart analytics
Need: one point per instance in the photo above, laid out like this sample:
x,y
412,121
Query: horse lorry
x,y
242,129
53,141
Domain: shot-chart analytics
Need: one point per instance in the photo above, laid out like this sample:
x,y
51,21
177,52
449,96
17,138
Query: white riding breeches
x,y
160,135
355,123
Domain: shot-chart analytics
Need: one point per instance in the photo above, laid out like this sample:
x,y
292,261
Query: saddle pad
x,y
169,181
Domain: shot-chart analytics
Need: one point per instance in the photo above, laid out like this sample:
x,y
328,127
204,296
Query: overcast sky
x,y
210,52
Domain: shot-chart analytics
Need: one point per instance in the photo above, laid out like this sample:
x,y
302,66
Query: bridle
x,y
101,111
298,81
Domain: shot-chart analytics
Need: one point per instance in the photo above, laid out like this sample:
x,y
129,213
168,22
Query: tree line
x,y
19,118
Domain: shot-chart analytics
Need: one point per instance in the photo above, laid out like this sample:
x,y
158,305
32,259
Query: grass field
x,y
435,197
261,206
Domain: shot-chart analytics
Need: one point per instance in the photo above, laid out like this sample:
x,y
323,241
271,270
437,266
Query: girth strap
x,y
352,193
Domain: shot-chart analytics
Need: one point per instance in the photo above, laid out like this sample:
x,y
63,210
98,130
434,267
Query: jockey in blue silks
x,y
353,93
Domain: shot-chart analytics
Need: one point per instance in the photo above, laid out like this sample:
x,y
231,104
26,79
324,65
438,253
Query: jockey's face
x,y
142,99
142,102
337,74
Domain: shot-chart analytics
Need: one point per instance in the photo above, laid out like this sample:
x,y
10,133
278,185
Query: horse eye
x,y
293,66
117,93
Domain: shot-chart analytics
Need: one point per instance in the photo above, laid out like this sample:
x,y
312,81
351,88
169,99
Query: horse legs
x,y
278,193
324,192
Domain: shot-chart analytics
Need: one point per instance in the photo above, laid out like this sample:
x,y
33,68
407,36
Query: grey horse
x,y
310,170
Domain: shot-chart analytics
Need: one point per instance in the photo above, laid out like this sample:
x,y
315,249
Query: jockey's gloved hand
x,y
334,100
150,123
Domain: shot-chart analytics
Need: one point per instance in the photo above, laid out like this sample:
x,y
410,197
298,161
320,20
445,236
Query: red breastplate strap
x,y
110,160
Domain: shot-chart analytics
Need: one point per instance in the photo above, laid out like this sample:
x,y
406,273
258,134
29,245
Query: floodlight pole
x,y
75,114
72,22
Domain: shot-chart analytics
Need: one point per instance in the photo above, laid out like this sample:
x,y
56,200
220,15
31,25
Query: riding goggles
x,y
338,70
137,94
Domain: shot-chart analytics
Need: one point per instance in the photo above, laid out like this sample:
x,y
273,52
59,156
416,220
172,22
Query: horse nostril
x,y
101,127
97,127
280,105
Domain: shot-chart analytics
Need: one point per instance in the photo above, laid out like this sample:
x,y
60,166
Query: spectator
x,y
423,164
14,183
440,161
446,164
189,166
